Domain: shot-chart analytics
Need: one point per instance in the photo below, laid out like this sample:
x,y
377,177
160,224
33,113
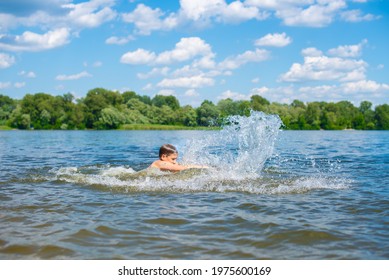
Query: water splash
x,y
241,148
127,180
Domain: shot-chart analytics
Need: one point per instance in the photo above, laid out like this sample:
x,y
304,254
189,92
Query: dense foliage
x,y
105,109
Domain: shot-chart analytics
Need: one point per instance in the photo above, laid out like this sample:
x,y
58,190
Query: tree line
x,y
106,109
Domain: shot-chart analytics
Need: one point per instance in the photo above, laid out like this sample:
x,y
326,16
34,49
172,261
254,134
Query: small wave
x,y
125,179
42,252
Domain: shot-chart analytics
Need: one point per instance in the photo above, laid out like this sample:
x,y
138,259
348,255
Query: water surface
x,y
307,195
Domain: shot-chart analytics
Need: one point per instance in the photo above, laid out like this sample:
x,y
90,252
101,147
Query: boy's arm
x,y
167,166
196,166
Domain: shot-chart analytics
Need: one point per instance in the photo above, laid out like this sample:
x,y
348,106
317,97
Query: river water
x,y
268,194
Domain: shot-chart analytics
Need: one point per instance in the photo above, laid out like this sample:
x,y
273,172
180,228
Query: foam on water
x,y
236,156
127,180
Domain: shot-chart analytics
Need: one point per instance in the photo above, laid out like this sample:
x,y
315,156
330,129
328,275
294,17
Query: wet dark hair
x,y
167,149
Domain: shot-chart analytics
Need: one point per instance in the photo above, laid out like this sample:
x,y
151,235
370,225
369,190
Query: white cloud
x,y
147,19
318,15
348,50
235,62
233,95
97,64
274,40
318,67
149,86
140,56
202,13
324,68
30,41
286,94
185,49
187,71
154,73
201,69
166,92
255,80
90,14
238,12
353,91
78,76
56,14
4,85
187,82
311,52
191,93
206,62
6,60
279,94
340,68
19,84
201,9
310,13
364,86
199,12
29,74
357,16
119,40
57,18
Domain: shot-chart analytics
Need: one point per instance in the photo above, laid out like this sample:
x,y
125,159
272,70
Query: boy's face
x,y
172,158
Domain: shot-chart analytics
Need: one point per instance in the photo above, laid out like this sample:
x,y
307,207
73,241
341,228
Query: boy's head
x,y
168,152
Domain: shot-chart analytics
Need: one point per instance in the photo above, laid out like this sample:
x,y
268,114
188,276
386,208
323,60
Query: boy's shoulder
x,y
158,163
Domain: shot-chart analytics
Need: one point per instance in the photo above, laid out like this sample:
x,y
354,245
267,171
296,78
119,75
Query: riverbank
x,y
163,127
146,127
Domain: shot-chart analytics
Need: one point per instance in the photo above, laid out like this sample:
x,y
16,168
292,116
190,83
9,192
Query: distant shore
x,y
137,127
165,127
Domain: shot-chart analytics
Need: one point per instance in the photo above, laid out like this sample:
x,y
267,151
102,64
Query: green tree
x,y
96,100
170,100
313,114
43,109
7,105
187,116
258,103
127,95
18,119
134,117
45,118
136,104
298,104
73,114
382,116
111,118
365,108
329,121
228,107
208,114
345,112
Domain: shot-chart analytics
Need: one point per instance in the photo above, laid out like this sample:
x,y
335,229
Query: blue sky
x,y
311,50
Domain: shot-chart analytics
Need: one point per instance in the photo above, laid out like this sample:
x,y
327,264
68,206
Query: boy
x,y
168,160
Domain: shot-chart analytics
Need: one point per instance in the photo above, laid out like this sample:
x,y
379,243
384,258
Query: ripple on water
x,y
112,231
36,251
166,221
304,237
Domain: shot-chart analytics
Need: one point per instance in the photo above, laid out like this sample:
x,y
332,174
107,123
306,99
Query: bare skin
x,y
169,163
